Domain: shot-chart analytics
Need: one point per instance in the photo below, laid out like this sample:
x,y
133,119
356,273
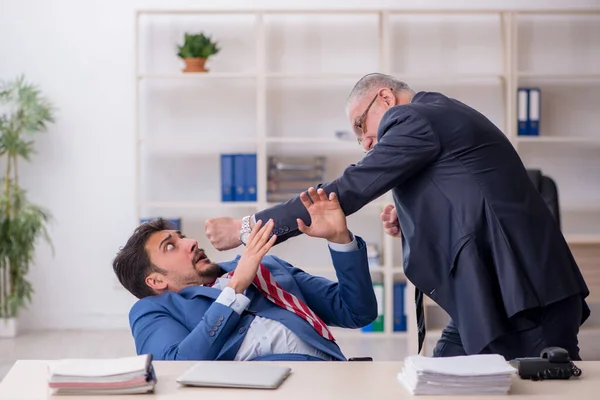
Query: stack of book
x,y
481,374
125,375
289,176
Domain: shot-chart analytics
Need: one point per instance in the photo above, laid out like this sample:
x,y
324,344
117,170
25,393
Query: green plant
x,y
197,46
23,112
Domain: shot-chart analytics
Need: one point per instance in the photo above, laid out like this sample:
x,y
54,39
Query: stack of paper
x,y
477,374
126,375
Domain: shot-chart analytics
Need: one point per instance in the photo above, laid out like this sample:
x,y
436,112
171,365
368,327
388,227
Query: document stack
x,y
126,375
289,176
485,374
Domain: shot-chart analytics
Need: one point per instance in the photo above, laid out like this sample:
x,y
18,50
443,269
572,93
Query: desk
x,y
308,381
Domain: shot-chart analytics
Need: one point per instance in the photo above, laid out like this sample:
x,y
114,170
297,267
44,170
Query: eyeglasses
x,y
359,126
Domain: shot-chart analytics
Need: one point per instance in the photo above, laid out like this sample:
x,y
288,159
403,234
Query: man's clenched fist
x,y
223,232
390,221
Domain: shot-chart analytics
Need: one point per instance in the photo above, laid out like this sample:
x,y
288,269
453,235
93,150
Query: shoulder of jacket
x,y
150,303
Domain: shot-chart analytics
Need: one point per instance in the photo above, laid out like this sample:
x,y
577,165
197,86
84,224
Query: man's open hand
x,y
259,244
223,233
328,220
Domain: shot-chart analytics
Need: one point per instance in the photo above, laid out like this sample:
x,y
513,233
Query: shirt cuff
x,y
230,298
344,247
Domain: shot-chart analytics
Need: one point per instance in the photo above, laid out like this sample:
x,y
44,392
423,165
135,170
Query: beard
x,y
209,272
202,275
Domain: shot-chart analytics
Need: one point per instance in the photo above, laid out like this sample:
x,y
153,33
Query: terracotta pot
x,y
194,65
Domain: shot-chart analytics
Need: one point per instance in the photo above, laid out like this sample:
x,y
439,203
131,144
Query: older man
x,y
477,237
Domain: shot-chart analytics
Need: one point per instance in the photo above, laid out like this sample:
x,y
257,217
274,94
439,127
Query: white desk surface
x,y
308,381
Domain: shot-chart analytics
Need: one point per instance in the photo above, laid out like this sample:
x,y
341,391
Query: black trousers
x,y
555,325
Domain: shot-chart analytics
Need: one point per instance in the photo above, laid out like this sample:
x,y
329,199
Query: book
x,y
123,375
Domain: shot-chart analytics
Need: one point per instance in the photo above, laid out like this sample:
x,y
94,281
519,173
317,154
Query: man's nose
x,y
191,245
367,144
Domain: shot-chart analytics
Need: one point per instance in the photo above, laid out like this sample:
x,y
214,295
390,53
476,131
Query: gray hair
x,y
367,83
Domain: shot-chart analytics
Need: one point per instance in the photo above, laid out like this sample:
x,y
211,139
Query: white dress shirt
x,y
267,336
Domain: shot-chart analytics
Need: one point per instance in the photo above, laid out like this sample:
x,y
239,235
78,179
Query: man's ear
x,y
156,281
388,96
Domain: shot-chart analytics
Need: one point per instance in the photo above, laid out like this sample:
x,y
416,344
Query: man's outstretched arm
x,y
348,303
406,146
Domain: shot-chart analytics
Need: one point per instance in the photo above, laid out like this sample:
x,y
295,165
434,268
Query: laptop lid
x,y
251,375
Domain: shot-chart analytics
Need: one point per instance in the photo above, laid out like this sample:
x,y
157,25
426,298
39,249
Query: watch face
x,y
244,237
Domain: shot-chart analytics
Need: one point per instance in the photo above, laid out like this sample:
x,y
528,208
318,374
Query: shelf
x,y
314,75
313,146
199,145
199,204
342,333
197,75
559,139
449,78
558,76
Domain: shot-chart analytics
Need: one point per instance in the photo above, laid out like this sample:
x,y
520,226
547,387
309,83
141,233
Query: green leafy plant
x,y
23,113
198,46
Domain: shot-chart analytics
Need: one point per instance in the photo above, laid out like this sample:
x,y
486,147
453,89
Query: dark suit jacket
x,y
477,237
190,325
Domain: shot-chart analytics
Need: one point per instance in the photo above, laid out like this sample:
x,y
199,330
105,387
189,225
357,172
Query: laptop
x,y
250,375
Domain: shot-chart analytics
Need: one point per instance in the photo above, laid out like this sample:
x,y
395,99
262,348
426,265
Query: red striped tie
x,y
265,282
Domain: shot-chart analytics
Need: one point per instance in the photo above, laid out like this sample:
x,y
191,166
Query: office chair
x,y
548,189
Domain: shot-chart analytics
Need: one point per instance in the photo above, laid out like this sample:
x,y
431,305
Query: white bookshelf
x,y
279,87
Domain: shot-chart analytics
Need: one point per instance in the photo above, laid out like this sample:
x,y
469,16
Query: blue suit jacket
x,y
190,325
477,237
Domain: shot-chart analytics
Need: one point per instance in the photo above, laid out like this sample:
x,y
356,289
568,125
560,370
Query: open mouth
x,y
200,257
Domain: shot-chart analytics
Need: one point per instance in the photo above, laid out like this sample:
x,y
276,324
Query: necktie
x,y
267,285
420,317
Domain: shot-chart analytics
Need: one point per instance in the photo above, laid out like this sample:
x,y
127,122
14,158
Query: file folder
x,y
522,111
534,112
239,177
377,325
226,177
399,312
250,177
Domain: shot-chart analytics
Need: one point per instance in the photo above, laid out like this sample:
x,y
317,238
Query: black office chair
x,y
548,189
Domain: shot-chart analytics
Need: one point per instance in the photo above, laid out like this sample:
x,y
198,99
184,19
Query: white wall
x,y
81,53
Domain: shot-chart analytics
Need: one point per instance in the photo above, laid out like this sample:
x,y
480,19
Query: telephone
x,y
553,363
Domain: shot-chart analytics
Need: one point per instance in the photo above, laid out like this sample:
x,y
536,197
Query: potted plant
x,y
196,49
23,112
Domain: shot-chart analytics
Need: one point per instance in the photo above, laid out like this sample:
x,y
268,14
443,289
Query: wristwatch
x,y
246,230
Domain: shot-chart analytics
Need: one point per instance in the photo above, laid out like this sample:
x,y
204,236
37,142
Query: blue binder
x,y
533,128
239,177
250,178
399,312
226,177
522,111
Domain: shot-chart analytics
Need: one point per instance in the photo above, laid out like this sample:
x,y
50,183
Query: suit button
x,y
286,229
218,323
211,333
242,330
220,319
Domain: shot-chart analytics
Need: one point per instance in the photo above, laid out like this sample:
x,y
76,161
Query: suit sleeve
x,y
348,303
157,332
406,146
